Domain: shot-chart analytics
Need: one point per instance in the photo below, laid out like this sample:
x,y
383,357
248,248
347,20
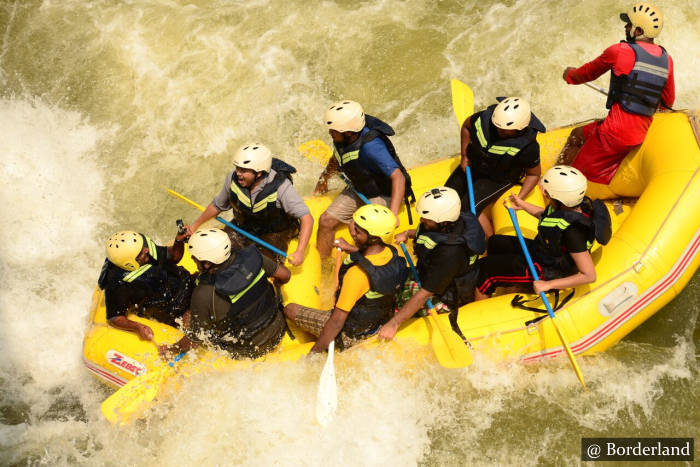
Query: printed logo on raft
x,y
125,363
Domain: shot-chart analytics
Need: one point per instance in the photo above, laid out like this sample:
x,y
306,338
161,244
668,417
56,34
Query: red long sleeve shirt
x,y
622,125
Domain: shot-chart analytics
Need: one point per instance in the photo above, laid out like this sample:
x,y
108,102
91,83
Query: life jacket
x,y
549,252
639,92
363,180
376,306
164,284
495,158
264,216
466,232
242,280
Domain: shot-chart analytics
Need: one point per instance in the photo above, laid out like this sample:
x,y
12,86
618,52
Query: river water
x,y
102,102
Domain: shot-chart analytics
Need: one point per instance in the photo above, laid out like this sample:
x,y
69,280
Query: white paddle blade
x,y
327,397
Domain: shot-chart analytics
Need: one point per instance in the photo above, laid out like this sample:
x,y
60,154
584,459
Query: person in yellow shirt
x,y
368,281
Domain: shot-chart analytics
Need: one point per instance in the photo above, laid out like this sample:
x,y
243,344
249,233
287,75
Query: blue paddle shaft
x,y
530,266
252,237
470,186
176,359
359,195
414,271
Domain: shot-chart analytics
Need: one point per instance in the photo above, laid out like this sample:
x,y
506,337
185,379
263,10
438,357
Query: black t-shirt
x,y
120,296
447,262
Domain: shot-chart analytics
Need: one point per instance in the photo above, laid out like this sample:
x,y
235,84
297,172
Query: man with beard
x,y
368,282
364,153
264,202
641,79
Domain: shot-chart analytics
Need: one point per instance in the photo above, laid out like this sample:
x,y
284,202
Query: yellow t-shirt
x,y
356,281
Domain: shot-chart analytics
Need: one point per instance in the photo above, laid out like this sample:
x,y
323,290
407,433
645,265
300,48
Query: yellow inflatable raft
x,y
653,202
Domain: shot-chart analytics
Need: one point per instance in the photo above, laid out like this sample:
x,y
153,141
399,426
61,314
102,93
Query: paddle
x,y
597,88
605,93
133,398
257,240
462,101
316,149
535,276
359,195
463,107
449,348
327,394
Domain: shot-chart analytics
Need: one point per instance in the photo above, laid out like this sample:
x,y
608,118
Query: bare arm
x,y
415,303
209,212
177,249
398,187
144,332
532,176
307,225
518,203
405,235
465,139
281,275
585,275
332,328
331,169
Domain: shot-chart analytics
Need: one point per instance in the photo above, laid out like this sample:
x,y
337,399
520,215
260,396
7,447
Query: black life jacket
x,y
549,251
495,158
466,232
363,180
376,307
242,280
639,92
161,283
264,216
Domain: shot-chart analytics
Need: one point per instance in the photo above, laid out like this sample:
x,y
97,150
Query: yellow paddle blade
x,y
462,101
449,348
316,149
135,397
569,354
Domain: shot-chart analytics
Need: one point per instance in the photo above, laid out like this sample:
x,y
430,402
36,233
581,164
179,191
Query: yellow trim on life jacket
x,y
347,157
555,222
152,250
427,241
234,298
135,274
262,204
245,200
242,197
498,150
371,294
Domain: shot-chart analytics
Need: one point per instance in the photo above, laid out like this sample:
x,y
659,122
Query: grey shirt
x,y
287,197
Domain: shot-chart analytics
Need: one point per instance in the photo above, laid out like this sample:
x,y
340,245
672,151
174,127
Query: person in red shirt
x,y
641,80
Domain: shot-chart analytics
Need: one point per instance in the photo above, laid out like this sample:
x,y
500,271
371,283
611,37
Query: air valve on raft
x,y
617,299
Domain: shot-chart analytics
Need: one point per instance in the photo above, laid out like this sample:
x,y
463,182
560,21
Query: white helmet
x,y
253,156
211,245
345,116
441,204
645,16
511,113
565,184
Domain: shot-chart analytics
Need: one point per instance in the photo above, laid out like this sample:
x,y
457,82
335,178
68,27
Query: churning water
x,y
102,102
